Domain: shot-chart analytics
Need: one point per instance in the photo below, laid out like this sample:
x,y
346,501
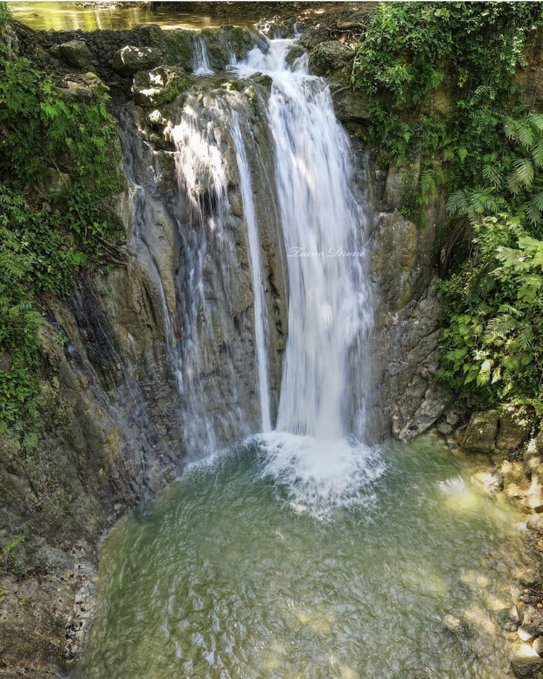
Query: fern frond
x,y
522,175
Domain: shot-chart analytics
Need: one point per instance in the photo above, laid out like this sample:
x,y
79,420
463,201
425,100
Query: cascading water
x,y
220,279
218,578
329,299
259,302
200,57
203,185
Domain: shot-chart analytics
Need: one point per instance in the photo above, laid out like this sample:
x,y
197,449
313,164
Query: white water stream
x,y
322,408
259,301
200,57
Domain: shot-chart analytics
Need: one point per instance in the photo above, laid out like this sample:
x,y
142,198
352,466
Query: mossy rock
x,y
160,86
177,46
329,57
294,53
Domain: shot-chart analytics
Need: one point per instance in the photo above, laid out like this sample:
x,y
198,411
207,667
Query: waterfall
x,y
259,302
206,373
200,57
222,306
321,405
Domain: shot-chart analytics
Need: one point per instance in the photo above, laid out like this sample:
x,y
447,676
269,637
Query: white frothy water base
x,y
321,476
324,382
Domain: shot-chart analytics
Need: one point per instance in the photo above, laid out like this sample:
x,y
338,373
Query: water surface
x,y
69,16
230,574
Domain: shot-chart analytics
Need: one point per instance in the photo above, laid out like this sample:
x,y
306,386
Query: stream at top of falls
x,y
301,552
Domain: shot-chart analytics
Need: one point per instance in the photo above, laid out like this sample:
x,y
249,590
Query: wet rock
x,y
534,498
527,667
509,619
531,458
160,85
530,578
444,428
535,523
74,53
513,471
512,430
294,53
537,645
481,432
533,622
131,59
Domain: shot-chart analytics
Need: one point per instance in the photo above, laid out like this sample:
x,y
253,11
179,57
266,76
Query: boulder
x,y
82,85
512,430
526,667
74,53
131,59
350,105
160,85
480,434
294,53
330,56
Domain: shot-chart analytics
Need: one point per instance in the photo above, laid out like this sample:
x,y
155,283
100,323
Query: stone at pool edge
x,y
481,432
489,431
528,667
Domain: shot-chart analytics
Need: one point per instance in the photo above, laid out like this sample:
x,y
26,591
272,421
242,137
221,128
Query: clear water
x,y
69,16
226,576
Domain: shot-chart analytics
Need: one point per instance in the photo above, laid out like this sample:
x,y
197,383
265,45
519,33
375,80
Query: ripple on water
x,y
220,577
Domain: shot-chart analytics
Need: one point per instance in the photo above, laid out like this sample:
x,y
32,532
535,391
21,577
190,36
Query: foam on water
x,y
321,475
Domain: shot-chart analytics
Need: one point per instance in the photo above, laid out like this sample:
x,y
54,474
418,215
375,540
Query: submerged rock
x,y
509,619
457,626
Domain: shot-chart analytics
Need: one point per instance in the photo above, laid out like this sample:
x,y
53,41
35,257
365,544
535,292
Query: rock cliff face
x,y
408,399
119,399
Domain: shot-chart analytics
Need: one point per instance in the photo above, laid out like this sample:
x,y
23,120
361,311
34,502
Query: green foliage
x,y
59,168
439,79
12,558
4,13
492,348
468,51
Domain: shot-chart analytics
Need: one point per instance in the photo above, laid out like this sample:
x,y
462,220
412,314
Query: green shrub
x,y
48,230
489,153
